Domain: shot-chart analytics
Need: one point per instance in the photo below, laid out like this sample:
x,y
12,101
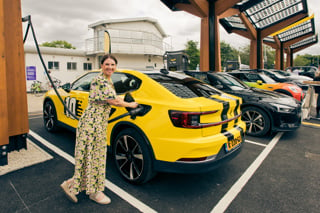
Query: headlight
x,y
294,89
282,108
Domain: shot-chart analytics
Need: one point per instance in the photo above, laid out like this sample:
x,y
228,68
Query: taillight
x,y
188,119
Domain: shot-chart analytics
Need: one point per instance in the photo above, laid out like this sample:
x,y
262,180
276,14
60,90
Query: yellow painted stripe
x,y
310,124
293,25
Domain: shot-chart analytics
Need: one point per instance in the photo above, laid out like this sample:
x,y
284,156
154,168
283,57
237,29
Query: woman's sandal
x,y
100,198
67,190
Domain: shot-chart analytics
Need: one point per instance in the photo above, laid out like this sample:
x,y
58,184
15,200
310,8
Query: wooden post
x,y
204,45
13,96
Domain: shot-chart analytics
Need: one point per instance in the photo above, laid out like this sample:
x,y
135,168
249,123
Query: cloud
x,y
68,20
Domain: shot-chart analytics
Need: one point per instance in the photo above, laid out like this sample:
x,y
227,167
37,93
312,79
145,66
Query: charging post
x,y
14,124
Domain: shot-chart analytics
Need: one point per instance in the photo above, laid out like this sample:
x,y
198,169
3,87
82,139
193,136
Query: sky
x,y
68,20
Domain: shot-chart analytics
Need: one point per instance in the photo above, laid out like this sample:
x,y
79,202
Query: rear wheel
x,y
257,121
50,117
132,157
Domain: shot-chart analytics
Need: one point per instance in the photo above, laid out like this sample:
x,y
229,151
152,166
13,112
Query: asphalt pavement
x,y
34,187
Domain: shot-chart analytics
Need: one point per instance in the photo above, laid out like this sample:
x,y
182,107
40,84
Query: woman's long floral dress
x,y
91,138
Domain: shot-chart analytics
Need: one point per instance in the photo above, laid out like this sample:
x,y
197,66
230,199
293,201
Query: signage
x,y
31,73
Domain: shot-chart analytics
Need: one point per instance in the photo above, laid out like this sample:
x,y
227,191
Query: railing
x,y
127,45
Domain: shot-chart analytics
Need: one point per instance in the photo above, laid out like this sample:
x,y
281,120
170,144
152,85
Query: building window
x,y
87,66
53,65
71,66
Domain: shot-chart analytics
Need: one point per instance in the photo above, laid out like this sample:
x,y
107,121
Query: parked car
x,y
291,79
297,79
262,81
303,70
263,111
186,126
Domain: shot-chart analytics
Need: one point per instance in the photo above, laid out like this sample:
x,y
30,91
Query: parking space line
x,y
310,124
35,117
223,204
112,187
255,143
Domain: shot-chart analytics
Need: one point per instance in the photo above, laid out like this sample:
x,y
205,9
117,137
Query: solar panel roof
x,y
308,41
265,14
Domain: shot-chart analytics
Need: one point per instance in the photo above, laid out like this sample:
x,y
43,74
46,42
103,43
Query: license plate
x,y
233,143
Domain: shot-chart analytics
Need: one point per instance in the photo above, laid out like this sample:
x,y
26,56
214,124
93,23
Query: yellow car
x,y
185,125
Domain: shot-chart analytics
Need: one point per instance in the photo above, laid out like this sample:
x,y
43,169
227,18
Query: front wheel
x,y
50,117
132,157
257,121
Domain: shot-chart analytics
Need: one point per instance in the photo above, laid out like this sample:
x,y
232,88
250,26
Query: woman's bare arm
x,y
120,102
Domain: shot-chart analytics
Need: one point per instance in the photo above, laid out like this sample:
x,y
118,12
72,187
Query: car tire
x,y
50,120
132,157
257,121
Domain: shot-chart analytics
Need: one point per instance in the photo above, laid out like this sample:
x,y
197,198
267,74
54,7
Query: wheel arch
x,y
263,108
124,125
283,91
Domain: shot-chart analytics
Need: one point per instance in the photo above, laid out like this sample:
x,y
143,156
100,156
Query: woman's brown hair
x,y
105,57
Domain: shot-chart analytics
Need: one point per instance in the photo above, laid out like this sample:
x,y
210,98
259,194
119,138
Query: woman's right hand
x,y
133,104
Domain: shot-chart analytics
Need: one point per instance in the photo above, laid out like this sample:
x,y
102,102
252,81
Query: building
x,y
138,43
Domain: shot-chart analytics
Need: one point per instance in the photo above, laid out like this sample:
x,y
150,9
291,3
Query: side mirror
x,y
259,82
66,87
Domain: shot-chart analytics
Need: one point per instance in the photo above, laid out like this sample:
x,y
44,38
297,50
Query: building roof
x,y
146,19
54,51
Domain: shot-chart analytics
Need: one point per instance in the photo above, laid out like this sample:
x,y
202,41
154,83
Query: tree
x,y
302,60
194,54
58,44
228,53
271,55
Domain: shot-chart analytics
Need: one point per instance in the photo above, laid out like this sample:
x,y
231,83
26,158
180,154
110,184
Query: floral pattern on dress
x,y
91,138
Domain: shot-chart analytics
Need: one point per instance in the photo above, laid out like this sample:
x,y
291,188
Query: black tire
x,y
50,120
257,121
132,157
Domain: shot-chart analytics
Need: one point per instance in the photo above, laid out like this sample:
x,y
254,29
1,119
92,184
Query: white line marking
x,y
112,187
259,144
34,118
14,188
242,181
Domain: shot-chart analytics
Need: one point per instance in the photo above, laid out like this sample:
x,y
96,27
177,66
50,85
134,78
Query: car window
x,y
124,82
199,75
184,86
230,81
252,77
83,83
271,74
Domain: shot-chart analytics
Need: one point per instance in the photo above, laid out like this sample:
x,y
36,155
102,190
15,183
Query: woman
x,y
91,149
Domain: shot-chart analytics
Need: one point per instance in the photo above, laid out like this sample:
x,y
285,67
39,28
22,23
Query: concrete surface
x,y
34,103
33,154
24,158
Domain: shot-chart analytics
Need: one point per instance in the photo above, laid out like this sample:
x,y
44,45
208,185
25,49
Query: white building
x,y
137,43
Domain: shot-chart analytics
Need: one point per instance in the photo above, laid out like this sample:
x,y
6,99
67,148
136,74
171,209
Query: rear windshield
x,y
184,86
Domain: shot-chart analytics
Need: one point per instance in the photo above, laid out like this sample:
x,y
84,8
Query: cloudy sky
x,y
68,20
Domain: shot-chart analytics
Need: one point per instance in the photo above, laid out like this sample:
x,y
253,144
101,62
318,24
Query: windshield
x,y
277,75
230,81
283,73
267,79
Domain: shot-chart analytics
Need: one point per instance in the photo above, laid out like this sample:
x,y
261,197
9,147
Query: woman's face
x,y
108,67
